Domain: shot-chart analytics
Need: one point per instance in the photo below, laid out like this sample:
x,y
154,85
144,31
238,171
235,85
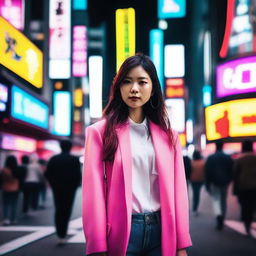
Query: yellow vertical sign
x,y
125,35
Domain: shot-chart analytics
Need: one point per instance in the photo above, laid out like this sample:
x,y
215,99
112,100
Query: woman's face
x,y
136,88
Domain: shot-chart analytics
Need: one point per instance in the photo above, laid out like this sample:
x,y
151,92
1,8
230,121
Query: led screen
x,y
20,55
236,118
28,108
62,113
236,77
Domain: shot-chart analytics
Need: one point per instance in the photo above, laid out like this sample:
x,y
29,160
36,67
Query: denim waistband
x,y
147,218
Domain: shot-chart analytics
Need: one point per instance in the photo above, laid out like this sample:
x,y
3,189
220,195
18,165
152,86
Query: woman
x,y
10,187
134,188
197,179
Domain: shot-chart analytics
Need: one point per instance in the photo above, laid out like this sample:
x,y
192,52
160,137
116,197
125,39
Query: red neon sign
x,y
229,20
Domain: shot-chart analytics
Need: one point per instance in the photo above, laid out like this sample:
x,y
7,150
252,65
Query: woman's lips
x,y
134,98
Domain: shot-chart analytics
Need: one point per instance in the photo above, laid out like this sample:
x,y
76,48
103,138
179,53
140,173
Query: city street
x,y
35,235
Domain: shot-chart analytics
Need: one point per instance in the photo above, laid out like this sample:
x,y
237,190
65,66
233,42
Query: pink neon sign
x,y
79,64
13,142
13,11
236,77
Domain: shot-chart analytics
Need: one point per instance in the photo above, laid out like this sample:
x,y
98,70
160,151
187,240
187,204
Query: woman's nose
x,y
134,88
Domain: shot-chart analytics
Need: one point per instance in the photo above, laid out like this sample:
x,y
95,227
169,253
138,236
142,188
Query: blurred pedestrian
x,y
197,179
218,175
142,195
64,175
32,185
23,170
187,166
43,184
10,190
245,183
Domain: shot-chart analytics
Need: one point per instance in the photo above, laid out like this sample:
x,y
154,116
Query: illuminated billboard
x,y
59,39
171,9
174,60
156,52
176,112
236,118
95,84
80,5
236,77
20,55
13,12
28,108
175,88
79,54
125,35
14,142
240,32
3,97
62,107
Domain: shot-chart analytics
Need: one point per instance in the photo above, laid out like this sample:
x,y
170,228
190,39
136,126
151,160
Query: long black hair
x,y
116,111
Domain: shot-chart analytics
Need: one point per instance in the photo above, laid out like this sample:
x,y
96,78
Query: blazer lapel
x,y
123,134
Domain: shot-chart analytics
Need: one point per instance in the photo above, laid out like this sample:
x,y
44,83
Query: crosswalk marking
x,y
39,232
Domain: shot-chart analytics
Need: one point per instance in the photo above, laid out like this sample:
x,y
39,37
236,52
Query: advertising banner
x,y
60,39
125,35
13,11
20,55
236,77
28,108
236,118
171,9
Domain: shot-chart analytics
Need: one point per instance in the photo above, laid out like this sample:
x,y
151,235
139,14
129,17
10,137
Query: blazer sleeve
x,y
93,196
181,199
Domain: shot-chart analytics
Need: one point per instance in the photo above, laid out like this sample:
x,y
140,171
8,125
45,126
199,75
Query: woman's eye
x,y
143,82
126,81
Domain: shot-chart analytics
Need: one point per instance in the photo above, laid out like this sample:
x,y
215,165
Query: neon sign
x,y
28,108
236,77
236,118
171,9
14,142
125,35
13,11
79,64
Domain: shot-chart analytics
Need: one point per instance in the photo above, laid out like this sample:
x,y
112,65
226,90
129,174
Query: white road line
x,y
26,239
239,227
39,232
78,238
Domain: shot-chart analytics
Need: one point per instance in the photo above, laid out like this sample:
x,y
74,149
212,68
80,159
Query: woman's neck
x,y
136,115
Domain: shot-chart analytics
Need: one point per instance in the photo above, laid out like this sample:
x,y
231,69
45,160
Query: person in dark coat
x,y
64,175
245,183
218,175
187,166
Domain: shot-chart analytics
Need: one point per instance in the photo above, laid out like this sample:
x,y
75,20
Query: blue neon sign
x,y
62,113
80,5
171,9
156,53
28,108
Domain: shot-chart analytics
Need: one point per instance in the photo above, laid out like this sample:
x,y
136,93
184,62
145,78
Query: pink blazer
x,y
109,230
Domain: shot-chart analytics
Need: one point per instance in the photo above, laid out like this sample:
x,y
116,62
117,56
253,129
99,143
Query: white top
x,y
33,173
145,186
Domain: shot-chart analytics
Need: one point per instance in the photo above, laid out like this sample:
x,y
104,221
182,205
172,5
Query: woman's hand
x,y
181,252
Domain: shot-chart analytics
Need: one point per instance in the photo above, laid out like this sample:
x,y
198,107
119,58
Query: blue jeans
x,y
145,236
